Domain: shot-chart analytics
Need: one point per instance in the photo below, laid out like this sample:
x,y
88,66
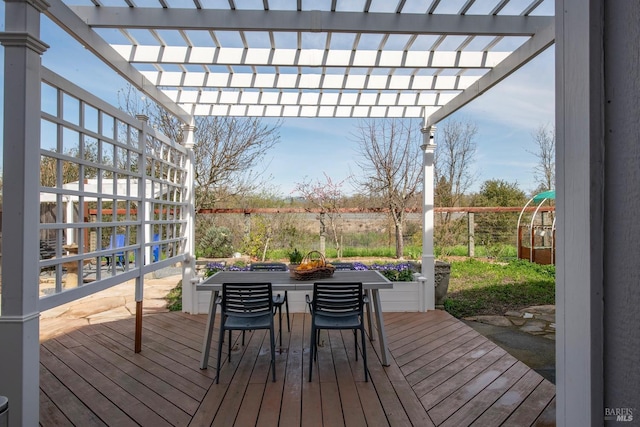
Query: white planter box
x,y
405,296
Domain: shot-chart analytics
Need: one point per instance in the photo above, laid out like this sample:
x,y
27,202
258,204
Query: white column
x,y
145,210
19,315
428,259
580,160
142,257
189,294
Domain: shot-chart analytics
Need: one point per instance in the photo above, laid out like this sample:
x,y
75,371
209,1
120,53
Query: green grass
x,y
494,251
410,252
481,288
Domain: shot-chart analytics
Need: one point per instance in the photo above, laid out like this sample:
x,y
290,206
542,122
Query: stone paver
x,y
535,320
491,320
111,304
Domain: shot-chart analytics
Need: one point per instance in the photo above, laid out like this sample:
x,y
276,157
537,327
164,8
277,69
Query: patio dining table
x,y
372,282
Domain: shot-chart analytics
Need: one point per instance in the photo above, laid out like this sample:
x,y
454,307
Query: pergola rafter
x,y
377,59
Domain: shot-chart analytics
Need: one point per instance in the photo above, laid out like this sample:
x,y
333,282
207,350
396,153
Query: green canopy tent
x,y
541,197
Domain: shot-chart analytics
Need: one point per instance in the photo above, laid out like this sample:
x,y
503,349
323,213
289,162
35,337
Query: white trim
x,y
313,20
19,319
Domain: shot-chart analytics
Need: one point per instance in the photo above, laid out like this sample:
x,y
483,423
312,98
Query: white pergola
x,y
336,58
342,59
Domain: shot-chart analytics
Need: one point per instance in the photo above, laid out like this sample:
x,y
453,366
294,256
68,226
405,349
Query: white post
x,y
71,238
189,294
141,232
580,185
19,315
145,210
428,258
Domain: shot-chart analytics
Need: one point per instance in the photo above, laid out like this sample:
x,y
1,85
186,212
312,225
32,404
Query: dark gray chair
x,y
278,300
337,306
246,307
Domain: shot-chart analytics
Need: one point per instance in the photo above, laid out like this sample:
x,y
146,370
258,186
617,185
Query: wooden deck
x,y
442,373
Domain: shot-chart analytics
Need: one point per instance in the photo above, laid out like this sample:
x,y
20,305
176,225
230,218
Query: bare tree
x,y
453,175
70,170
327,196
228,151
391,162
227,154
545,170
453,161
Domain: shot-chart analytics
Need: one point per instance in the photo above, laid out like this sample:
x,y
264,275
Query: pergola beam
x,y
534,46
67,20
309,21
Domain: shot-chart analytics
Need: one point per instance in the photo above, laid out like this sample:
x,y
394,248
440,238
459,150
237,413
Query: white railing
x,y
113,195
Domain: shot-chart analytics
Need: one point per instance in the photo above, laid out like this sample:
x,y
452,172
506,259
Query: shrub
x,y
400,272
215,243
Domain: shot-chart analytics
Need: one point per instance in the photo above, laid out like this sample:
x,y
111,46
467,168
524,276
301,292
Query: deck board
x,y
442,372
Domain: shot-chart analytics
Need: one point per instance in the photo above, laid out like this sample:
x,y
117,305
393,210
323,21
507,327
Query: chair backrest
x,y
337,299
268,266
117,241
247,299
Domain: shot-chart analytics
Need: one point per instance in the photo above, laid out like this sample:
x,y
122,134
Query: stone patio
x,y
536,320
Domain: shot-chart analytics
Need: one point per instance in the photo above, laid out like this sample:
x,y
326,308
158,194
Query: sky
x,y
506,117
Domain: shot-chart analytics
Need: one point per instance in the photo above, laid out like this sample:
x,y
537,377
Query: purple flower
x,y
215,266
359,266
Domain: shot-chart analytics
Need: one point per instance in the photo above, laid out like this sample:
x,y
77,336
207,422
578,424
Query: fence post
x,y
247,226
471,227
323,234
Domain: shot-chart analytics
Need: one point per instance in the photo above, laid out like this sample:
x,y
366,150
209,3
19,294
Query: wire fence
x,y
484,233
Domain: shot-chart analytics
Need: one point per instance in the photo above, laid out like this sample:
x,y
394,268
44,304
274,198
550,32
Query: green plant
x,y
295,256
215,243
398,275
396,272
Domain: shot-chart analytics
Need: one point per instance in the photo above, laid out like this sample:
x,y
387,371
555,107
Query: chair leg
x,y
286,303
220,342
273,353
229,345
364,355
312,350
280,323
355,341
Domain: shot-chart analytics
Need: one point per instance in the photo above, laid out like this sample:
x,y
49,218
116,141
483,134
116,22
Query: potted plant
x,y
295,258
